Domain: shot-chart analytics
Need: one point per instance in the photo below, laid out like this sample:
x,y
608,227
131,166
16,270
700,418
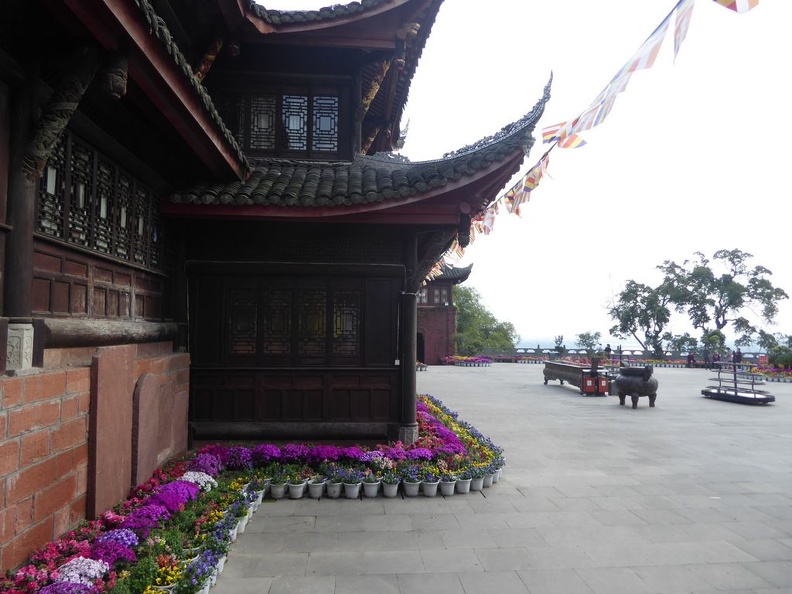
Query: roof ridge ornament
x,y
527,121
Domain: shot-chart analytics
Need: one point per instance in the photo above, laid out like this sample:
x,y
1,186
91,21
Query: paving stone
x,y
690,496
502,582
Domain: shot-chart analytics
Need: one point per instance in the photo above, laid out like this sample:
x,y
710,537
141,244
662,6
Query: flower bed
x,y
462,361
174,531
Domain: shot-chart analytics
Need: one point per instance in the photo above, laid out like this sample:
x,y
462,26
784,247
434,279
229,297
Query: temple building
x,y
205,234
437,315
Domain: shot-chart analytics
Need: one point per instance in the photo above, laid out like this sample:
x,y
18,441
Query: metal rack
x,y
736,383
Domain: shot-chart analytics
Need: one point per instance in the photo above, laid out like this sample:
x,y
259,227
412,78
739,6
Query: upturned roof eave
x,y
300,21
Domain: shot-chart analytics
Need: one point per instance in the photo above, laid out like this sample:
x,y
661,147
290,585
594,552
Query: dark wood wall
x,y
250,381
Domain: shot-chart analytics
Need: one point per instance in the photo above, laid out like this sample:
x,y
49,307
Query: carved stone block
x,y
20,346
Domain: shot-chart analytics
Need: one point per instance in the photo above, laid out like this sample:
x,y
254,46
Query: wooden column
x,y
22,190
408,343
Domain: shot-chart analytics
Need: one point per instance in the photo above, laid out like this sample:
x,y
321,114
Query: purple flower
x,y
111,551
264,453
67,588
353,454
174,495
293,452
123,536
239,458
320,453
146,517
207,463
419,454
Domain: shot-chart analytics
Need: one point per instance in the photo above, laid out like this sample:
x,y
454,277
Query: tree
x,y
714,341
717,292
642,313
589,341
559,344
477,329
683,343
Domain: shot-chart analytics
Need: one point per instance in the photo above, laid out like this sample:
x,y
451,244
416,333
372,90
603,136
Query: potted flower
x,y
390,483
448,482
335,481
477,475
278,485
464,478
371,483
316,486
297,485
489,475
353,478
411,480
429,482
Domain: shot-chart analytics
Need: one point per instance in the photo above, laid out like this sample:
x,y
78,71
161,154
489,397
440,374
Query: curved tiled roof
x,y
365,180
328,13
159,29
454,274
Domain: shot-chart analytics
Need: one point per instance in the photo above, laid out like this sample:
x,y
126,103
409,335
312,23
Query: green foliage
x,y
716,292
780,356
714,341
589,341
683,343
477,329
642,313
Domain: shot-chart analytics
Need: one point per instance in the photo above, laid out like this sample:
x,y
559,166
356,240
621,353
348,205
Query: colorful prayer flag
x,y
647,54
571,141
740,6
552,133
683,12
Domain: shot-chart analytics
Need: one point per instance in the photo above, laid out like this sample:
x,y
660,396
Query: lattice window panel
x,y
423,296
276,321
139,227
105,188
242,322
346,322
263,113
325,124
295,121
155,247
311,322
81,201
232,111
50,213
122,215
103,208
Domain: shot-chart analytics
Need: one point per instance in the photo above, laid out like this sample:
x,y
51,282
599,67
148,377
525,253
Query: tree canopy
x,y
477,330
714,293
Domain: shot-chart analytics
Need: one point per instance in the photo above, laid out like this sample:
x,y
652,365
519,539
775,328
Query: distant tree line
x,y
477,329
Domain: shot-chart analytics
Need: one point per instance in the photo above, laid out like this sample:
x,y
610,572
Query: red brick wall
x,y
44,454
438,327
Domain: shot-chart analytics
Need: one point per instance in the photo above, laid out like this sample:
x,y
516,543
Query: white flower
x,y
82,571
203,480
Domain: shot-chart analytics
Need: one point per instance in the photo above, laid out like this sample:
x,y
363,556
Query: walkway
x,y
694,495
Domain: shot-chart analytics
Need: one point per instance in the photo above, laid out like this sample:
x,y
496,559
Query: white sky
x,y
693,157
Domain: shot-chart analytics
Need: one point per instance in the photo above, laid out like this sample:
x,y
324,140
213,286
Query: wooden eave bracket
x,y
152,68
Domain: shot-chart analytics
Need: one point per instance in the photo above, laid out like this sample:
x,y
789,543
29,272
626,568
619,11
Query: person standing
x,y
737,356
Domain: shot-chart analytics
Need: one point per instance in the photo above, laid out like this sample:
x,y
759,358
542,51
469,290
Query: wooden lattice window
x,y
290,122
87,200
292,318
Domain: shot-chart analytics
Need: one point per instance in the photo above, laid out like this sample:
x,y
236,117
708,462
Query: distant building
x,y
437,315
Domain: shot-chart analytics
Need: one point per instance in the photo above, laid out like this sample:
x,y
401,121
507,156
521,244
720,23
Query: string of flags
x,y
566,134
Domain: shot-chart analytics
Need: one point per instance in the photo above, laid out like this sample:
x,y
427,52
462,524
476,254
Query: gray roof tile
x,y
366,179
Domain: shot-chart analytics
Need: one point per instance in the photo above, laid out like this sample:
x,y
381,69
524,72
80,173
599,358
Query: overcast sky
x,y
693,157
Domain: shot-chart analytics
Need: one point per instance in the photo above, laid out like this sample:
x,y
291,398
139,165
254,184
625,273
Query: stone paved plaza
x,y
693,495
